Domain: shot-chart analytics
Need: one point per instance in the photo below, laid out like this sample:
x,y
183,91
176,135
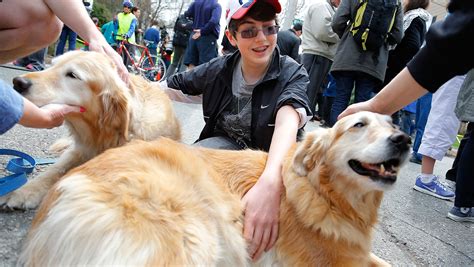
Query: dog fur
x,y
115,114
163,203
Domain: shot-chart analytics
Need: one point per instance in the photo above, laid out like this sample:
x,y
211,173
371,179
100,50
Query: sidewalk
x,y
413,228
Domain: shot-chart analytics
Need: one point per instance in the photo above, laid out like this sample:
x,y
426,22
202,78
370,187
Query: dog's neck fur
x,y
298,206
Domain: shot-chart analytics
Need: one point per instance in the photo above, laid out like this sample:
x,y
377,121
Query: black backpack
x,y
182,30
373,23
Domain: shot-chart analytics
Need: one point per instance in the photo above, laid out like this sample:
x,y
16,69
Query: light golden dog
x,y
163,203
114,114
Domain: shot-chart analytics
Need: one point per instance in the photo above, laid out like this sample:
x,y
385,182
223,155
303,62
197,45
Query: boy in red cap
x,y
253,98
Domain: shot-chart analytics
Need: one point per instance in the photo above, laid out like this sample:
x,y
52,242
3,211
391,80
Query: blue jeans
x,y
364,86
407,122
423,107
201,50
66,35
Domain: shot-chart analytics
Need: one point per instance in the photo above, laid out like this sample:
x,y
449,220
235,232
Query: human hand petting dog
x,y
106,49
74,15
48,116
262,211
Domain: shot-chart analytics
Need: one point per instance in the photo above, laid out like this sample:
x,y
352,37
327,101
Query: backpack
x,y
182,30
373,22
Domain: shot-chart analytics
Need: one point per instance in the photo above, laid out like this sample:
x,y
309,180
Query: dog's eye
x,y
71,74
359,125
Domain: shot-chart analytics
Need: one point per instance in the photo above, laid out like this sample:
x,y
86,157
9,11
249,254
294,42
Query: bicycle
x,y
143,63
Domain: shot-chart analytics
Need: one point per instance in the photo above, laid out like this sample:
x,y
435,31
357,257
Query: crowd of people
x,y
257,97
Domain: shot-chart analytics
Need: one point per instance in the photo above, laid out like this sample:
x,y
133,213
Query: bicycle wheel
x,y
153,72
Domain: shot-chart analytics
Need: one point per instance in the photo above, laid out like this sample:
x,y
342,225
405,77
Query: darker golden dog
x,y
163,203
115,114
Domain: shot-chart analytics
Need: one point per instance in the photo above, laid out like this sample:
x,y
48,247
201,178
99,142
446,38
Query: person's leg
x,y
191,56
27,26
317,68
72,37
207,48
61,41
37,59
440,132
463,209
345,84
423,107
327,104
364,86
177,54
218,142
452,173
404,121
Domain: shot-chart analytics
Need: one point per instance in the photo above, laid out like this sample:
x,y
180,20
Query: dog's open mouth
x,y
385,171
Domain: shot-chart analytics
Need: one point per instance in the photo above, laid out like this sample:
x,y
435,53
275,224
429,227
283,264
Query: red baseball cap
x,y
238,8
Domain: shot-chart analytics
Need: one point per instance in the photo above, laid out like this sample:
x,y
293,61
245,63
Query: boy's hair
x,y
260,11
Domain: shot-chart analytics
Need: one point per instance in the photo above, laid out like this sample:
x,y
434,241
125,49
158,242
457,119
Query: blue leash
x,y
20,167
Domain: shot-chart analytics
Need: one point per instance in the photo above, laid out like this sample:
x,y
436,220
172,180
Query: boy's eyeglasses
x,y
252,32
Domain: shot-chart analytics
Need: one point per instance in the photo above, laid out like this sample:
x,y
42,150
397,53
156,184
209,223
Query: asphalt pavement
x,y
413,229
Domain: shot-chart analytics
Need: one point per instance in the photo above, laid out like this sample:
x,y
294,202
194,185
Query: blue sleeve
x,y
11,107
131,31
213,22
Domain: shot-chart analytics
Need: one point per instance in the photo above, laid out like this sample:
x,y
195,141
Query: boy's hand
x,y
262,211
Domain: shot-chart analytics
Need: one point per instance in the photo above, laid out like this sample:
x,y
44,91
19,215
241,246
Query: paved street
x,y
413,228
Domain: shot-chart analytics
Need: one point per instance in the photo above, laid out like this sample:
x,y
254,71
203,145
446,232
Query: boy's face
x,y
258,49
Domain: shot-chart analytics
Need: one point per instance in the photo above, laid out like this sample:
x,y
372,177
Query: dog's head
x,y
86,79
365,148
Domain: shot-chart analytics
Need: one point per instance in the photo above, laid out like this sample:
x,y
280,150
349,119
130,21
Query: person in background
x,y
253,98
357,66
289,41
416,21
202,46
407,119
69,36
448,43
34,61
440,132
319,43
152,37
126,23
108,30
182,31
138,32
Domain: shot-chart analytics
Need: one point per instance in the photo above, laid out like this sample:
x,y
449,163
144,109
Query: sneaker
x,y
434,188
461,214
415,160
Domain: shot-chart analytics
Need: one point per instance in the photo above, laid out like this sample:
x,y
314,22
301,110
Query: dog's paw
x,y
22,198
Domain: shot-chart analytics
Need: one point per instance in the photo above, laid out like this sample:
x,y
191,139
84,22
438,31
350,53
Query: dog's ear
x,y
115,117
311,151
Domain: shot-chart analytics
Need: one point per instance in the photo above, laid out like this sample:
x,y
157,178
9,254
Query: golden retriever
x,y
163,203
114,114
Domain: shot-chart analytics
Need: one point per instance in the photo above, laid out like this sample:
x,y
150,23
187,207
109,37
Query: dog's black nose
x,y
400,140
21,84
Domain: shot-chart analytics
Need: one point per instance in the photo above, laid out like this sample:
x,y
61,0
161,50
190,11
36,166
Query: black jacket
x,y
449,47
289,43
412,40
284,84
